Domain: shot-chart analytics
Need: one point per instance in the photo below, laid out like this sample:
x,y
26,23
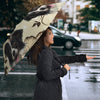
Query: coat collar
x,y
45,47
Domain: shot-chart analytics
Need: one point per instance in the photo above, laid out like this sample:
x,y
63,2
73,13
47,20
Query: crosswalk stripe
x,y
19,73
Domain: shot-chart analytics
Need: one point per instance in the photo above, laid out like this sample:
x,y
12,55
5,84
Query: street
x,y
84,82
85,78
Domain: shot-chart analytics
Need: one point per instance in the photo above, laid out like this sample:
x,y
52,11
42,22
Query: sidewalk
x,y
85,35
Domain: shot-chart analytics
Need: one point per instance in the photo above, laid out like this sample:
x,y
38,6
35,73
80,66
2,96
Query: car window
x,y
55,32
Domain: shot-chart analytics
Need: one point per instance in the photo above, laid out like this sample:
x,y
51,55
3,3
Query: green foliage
x,y
96,3
89,13
92,13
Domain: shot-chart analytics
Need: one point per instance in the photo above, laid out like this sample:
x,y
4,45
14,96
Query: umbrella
x,y
27,32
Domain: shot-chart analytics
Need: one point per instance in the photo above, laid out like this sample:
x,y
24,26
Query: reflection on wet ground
x,y
93,45
85,77
17,87
64,52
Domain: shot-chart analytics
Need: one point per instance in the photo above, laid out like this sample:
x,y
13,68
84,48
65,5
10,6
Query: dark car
x,y
67,41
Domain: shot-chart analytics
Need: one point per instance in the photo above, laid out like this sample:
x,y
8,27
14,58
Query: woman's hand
x,y
66,67
88,57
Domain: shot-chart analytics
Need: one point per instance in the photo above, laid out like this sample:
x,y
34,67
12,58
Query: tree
x,y
13,11
97,5
91,13
10,15
33,3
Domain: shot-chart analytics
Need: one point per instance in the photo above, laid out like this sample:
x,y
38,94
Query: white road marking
x,y
19,73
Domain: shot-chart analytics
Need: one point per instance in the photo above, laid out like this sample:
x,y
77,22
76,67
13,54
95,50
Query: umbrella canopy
x,y
27,32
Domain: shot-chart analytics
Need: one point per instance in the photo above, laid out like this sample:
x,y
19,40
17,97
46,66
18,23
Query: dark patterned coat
x,y
49,71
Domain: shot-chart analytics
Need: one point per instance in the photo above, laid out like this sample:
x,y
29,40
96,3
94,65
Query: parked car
x,y
67,41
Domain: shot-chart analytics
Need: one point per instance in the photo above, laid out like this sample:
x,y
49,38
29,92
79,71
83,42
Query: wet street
x,y
84,82
85,77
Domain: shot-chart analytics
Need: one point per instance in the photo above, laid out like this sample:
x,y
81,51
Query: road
x,y
84,35
84,82
85,77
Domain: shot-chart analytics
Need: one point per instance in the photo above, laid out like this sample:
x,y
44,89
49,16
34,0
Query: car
x,y
67,41
60,39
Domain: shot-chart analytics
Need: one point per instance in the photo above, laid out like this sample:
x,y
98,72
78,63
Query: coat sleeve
x,y
70,59
45,62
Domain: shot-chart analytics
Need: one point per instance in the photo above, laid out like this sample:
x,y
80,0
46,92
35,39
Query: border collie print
x,y
26,33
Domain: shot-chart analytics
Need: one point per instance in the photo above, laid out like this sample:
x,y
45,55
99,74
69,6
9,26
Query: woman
x,y
50,67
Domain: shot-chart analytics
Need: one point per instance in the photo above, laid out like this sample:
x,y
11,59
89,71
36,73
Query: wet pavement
x,y
84,82
17,87
85,35
85,77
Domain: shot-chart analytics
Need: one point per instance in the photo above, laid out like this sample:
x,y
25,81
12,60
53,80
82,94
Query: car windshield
x,y
55,31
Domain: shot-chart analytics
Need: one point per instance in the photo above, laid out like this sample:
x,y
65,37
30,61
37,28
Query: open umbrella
x,y
26,33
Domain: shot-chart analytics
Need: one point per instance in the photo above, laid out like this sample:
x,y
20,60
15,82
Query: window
x,y
77,16
86,6
78,7
67,6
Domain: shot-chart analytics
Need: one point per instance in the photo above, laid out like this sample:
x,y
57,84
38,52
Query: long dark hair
x,y
36,49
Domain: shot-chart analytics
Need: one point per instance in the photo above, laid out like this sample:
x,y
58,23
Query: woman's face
x,y
48,39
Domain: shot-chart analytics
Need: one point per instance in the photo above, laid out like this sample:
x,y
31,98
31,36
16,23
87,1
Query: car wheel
x,y
68,45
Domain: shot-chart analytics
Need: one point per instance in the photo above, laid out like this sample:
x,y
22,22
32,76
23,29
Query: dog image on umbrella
x,y
27,32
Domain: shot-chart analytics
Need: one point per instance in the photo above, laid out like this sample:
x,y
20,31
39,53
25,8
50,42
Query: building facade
x,y
72,7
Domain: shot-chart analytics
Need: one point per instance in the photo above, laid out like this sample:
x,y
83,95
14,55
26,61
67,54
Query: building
x,y
71,9
60,16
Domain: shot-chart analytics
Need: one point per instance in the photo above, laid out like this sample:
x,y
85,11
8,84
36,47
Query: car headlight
x,y
8,34
77,38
